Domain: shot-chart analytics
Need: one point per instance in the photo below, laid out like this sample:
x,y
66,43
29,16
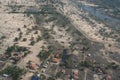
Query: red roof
x,y
19,56
4,56
99,70
108,77
33,66
55,60
76,72
56,55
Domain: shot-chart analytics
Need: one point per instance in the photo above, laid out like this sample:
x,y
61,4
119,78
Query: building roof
x,y
20,56
108,77
56,55
4,56
33,66
76,72
56,60
35,78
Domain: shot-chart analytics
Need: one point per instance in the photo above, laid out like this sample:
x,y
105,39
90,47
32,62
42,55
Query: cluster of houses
x,y
103,73
14,54
33,67
14,58
4,57
56,58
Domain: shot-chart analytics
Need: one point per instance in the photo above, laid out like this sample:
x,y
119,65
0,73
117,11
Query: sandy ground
x,y
60,35
35,50
9,23
31,57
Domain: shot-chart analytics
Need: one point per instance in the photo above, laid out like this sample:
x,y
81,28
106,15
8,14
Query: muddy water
x,y
102,16
99,14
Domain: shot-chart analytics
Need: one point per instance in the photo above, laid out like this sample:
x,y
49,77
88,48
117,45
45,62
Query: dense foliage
x,y
14,71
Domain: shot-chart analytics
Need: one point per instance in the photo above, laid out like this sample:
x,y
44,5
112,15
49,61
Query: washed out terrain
x,y
59,40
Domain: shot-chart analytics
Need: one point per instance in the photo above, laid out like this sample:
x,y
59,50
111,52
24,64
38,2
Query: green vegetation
x,y
19,29
3,37
46,34
10,49
36,32
13,71
113,66
20,35
24,39
34,27
32,42
118,40
25,26
51,78
58,74
15,48
20,49
43,54
16,39
38,39
84,49
68,61
42,77
85,64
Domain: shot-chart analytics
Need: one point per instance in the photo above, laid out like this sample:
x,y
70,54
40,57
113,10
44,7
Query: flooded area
x,y
103,17
115,56
99,14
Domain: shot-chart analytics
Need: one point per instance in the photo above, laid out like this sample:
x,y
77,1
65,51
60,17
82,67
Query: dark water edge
x,y
112,22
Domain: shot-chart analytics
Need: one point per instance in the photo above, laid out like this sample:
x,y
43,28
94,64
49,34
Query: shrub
x,y
14,71
24,39
32,42
43,55
16,39
51,78
19,29
43,77
36,32
3,37
38,39
85,64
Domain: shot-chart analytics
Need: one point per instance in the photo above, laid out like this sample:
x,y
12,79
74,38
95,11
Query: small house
x,y
76,74
57,55
108,77
56,60
33,66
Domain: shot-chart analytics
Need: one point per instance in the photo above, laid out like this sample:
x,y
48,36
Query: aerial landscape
x,y
59,39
